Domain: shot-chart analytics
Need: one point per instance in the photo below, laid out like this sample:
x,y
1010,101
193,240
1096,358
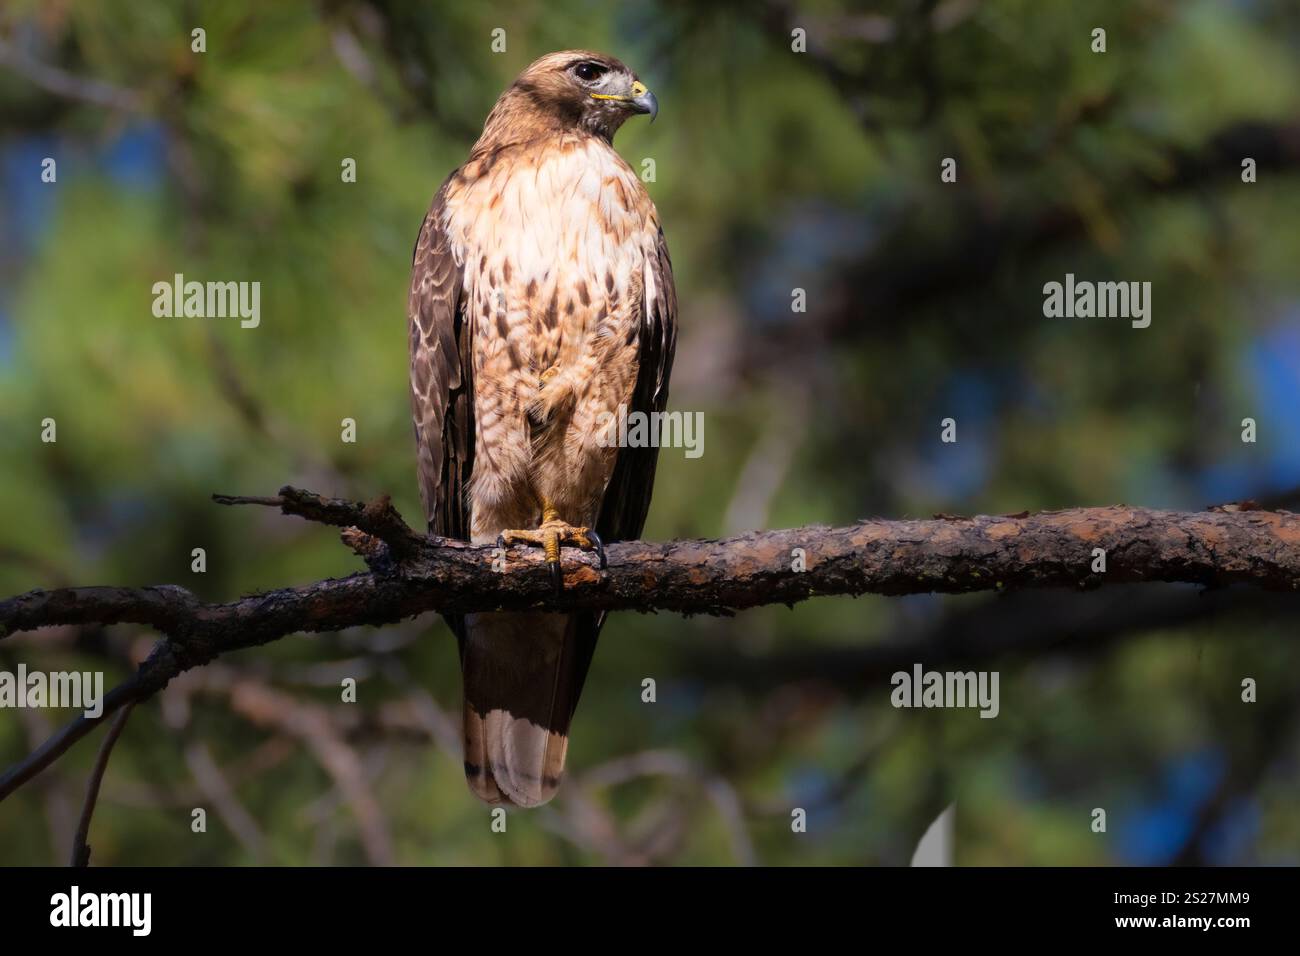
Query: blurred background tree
x,y
774,170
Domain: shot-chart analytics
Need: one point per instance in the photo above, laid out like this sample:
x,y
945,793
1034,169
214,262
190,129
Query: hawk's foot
x,y
551,536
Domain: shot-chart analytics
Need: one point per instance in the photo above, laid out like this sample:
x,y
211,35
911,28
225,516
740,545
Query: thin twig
x,y
53,748
80,846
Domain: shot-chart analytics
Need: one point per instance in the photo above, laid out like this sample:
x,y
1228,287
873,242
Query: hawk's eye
x,y
589,71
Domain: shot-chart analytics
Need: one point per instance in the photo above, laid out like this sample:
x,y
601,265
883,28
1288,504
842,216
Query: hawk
x,y
541,302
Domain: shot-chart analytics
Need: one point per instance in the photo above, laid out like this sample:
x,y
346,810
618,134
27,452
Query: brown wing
x,y
441,382
627,497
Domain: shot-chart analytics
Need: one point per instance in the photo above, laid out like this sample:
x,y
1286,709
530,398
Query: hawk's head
x,y
575,89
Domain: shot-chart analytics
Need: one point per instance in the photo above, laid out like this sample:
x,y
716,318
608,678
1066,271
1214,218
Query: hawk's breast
x,y
554,238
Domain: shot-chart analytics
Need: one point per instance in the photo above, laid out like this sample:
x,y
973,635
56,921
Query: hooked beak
x,y
644,101
640,98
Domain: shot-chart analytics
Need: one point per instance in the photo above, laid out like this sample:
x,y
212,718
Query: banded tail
x,y
523,673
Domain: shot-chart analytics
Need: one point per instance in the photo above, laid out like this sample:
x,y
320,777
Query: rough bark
x,y
410,573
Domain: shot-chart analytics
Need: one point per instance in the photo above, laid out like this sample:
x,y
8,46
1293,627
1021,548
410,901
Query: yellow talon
x,y
551,535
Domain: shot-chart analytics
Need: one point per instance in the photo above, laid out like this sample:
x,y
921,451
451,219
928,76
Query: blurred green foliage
x,y
775,170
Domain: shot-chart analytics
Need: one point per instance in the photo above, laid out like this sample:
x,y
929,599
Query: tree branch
x,y
130,691
411,573
80,846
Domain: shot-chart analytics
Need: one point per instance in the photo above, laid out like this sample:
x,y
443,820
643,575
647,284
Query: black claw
x,y
600,548
557,577
501,541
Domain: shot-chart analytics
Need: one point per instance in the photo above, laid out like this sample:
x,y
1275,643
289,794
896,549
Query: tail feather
x,y
523,673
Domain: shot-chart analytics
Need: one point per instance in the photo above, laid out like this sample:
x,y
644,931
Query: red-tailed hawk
x,y
541,301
